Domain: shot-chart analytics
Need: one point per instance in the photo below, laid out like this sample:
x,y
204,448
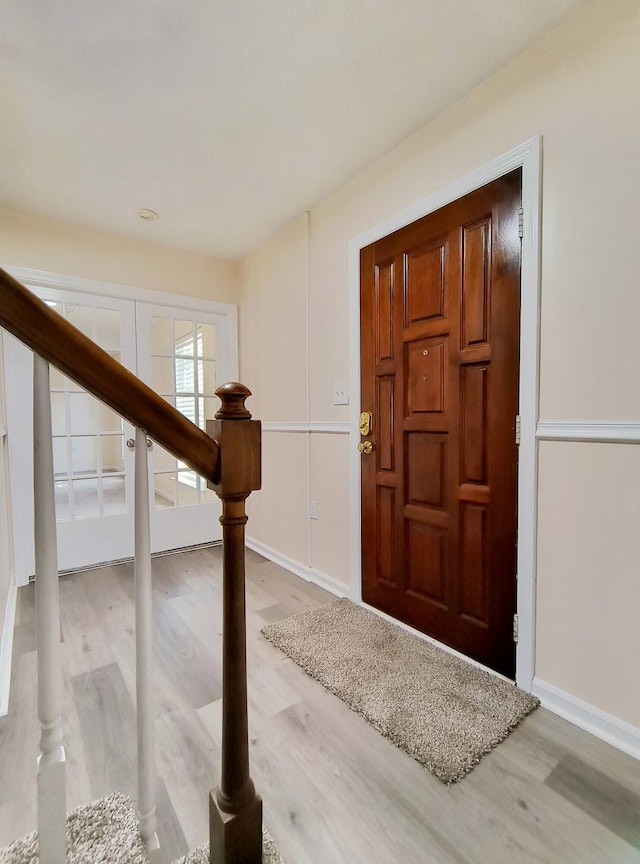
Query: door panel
x,y
440,307
93,484
183,357
92,466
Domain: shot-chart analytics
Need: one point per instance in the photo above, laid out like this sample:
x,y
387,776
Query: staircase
x,y
228,457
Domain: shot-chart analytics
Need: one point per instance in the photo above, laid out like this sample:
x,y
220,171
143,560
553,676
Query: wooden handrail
x,y
51,336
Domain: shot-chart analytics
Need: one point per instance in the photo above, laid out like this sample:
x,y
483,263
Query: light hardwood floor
x,y
334,790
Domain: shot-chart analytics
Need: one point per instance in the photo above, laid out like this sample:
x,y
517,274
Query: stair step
x,y
107,831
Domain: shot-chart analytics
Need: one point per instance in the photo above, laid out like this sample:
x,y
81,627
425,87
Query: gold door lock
x,y
365,447
365,423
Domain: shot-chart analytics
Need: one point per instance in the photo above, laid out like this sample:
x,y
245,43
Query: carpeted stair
x,y
106,832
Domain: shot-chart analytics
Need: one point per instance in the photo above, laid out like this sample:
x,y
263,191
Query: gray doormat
x,y
106,832
442,711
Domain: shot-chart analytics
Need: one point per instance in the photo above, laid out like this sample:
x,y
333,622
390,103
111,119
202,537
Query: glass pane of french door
x,y
88,437
183,356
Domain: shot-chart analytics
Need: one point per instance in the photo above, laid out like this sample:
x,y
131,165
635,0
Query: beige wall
x,y
273,325
278,516
273,340
30,240
588,566
577,87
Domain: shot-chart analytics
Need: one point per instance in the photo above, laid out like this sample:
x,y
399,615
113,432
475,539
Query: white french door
x,y
183,356
91,463
182,353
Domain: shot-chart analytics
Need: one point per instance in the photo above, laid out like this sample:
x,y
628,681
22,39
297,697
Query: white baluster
x,y
52,796
144,648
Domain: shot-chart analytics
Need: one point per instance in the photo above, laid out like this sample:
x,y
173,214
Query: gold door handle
x,y
365,447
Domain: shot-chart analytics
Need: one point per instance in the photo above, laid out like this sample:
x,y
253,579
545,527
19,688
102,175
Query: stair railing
x,y
228,456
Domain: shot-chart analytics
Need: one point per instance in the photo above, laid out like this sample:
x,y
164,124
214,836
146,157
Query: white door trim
x,y
46,279
527,156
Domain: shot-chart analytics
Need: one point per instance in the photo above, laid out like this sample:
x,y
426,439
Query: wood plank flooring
x,y
334,790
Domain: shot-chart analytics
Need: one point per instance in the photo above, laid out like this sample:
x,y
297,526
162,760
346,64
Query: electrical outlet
x,y
313,509
341,393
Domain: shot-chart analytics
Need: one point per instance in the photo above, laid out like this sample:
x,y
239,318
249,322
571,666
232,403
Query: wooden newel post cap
x,y
233,396
239,462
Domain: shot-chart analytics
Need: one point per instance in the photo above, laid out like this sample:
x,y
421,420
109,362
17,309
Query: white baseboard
x,y
617,732
6,647
309,574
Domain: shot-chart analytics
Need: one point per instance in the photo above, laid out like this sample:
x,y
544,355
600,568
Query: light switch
x,y
341,393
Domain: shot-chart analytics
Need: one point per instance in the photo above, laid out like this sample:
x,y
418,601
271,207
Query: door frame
x,y
21,496
527,156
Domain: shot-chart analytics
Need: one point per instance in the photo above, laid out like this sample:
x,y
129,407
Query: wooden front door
x,y
440,337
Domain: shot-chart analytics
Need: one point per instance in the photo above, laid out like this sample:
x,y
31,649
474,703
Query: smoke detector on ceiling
x,y
147,215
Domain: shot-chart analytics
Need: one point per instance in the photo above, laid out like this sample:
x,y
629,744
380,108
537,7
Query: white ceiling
x,y
228,117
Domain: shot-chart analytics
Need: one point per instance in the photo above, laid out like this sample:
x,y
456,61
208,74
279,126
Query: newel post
x,y
235,809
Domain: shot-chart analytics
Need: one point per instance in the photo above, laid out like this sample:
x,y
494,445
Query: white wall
x,y
577,87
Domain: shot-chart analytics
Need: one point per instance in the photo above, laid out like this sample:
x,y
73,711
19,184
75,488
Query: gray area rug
x,y
106,832
442,711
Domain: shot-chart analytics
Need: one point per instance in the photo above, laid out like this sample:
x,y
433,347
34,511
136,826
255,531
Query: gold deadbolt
x,y
365,447
366,424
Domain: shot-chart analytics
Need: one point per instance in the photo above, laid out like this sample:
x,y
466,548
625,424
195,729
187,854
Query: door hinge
x,y
518,430
515,628
521,223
